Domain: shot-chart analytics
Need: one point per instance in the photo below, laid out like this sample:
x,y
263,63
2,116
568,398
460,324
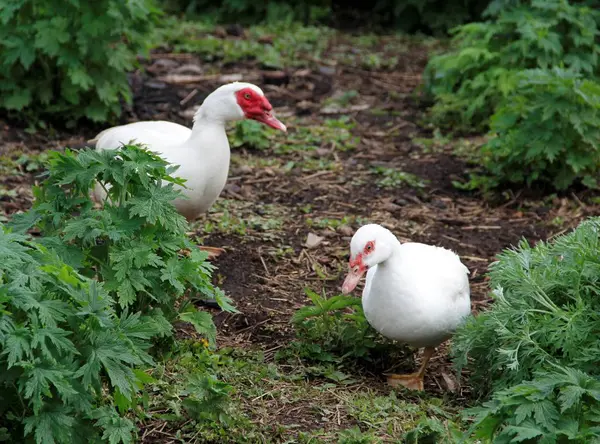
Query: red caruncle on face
x,y
256,107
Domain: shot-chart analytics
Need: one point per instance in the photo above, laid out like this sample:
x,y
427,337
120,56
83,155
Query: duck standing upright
x,y
202,153
414,293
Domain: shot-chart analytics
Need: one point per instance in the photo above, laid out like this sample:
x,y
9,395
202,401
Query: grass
x,y
394,178
285,45
274,401
243,218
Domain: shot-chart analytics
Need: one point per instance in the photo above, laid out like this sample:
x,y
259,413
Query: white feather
x,y
202,153
416,293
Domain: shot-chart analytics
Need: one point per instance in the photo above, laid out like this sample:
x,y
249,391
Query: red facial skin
x,y
357,268
257,107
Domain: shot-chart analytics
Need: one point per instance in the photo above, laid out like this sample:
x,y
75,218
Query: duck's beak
x,y
352,279
270,120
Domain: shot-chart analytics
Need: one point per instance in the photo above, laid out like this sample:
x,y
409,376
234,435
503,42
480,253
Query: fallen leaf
x,y
450,381
312,240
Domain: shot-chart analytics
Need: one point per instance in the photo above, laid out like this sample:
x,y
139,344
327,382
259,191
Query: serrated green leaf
x,y
520,434
202,322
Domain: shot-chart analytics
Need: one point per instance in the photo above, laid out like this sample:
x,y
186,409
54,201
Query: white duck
x,y
414,293
203,152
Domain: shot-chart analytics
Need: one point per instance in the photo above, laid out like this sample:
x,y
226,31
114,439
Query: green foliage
x,y
406,15
192,390
251,134
62,345
80,307
545,312
335,329
547,131
562,405
436,16
393,178
276,46
247,12
535,350
70,58
470,81
136,244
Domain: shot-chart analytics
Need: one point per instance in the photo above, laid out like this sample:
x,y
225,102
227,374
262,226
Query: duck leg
x,y
213,252
412,381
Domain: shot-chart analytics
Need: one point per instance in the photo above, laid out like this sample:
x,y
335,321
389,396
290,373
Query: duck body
x,y
201,153
418,296
203,157
414,293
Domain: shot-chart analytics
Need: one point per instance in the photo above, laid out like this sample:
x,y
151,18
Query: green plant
x,y
408,16
548,130
136,244
251,134
393,178
545,312
275,46
247,12
471,80
70,59
561,405
66,355
535,351
334,329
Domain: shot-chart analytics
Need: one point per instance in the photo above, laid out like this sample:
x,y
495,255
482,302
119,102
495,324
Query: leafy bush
x,y
71,349
536,349
248,12
136,244
471,80
434,16
335,329
545,314
70,58
548,130
407,15
62,345
562,405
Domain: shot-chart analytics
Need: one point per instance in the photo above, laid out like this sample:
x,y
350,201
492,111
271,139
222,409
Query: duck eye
x,y
247,96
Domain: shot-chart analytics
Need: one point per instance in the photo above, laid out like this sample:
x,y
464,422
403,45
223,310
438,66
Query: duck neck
x,y
209,113
208,133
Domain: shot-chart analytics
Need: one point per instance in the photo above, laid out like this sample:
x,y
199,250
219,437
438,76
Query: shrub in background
x,y
70,59
248,12
470,81
548,130
536,348
406,15
430,16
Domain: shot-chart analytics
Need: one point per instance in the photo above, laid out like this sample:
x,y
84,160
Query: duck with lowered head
x,y
203,152
414,293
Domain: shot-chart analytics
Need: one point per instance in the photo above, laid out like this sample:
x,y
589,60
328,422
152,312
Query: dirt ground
x,y
277,198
